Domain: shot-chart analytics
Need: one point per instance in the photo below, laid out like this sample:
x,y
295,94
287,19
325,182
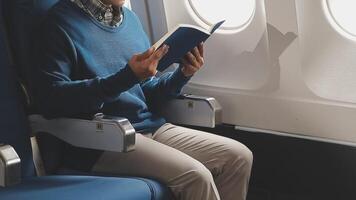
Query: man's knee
x,y
248,159
247,156
195,182
196,174
242,155
202,174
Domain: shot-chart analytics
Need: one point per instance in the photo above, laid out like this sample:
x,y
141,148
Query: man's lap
x,y
173,150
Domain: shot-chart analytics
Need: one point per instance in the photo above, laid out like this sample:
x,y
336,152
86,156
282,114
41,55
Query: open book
x,y
181,40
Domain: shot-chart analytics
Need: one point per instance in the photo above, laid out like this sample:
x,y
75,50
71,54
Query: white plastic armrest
x,y
193,110
10,166
102,133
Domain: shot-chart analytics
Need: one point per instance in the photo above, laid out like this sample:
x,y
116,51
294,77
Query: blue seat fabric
x,y
78,187
14,129
158,190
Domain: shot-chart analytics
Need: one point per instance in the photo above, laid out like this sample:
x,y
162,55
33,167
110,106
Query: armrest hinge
x,y
10,166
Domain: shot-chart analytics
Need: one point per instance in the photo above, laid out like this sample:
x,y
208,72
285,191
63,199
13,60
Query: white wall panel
x,y
328,57
140,8
291,106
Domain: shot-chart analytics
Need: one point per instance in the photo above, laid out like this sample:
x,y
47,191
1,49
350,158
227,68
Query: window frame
x,y
197,14
335,21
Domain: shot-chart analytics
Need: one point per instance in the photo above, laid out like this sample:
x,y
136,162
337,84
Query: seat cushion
x,y
82,187
158,190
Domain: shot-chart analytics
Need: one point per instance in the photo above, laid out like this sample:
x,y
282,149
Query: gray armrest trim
x,y
127,129
10,166
193,110
102,133
212,102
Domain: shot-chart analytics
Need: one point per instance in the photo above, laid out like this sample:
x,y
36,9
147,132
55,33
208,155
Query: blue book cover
x,y
181,40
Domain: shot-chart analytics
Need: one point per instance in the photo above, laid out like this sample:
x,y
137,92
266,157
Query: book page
x,y
166,36
216,26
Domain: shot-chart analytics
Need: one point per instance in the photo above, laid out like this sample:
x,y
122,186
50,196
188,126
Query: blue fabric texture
x,y
82,187
14,130
158,191
82,69
22,18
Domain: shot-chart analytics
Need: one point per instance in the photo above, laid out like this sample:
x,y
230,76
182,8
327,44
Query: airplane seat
x,y
17,174
22,18
79,187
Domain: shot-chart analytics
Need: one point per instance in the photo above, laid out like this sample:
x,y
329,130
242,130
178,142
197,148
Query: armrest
x,y
102,133
10,166
193,110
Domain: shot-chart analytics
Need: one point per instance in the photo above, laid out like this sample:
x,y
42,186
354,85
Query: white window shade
x,y
237,13
344,14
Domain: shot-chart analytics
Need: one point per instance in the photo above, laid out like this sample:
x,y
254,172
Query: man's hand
x,y
145,65
193,61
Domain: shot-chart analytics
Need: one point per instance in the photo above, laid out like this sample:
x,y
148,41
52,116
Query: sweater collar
x,y
105,14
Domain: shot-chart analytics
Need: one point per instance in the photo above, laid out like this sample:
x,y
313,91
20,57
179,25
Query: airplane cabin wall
x,y
288,69
328,54
247,44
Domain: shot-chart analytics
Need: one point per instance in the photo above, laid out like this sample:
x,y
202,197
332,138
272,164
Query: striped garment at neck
x,y
106,14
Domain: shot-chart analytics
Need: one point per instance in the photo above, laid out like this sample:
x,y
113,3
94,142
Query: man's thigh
x,y
149,159
211,150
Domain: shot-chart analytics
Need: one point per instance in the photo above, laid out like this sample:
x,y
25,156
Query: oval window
x,y
237,13
344,14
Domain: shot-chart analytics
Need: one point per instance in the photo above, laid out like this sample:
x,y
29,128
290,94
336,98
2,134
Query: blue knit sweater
x,y
82,69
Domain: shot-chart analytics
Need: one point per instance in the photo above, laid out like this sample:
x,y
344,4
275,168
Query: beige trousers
x,y
195,165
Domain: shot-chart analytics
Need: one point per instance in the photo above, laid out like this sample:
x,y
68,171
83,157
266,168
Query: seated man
x,y
87,62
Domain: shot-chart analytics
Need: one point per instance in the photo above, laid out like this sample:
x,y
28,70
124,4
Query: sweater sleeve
x,y
157,90
56,94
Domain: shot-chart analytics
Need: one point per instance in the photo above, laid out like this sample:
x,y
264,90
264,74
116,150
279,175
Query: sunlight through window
x,y
127,4
344,14
237,13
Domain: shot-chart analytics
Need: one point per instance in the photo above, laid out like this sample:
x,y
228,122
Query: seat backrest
x,y
14,129
22,19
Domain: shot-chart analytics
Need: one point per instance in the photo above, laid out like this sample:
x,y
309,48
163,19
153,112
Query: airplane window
x,y
237,13
344,14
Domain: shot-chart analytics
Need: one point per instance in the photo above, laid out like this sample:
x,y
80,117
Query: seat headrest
x,y
43,5
22,19
39,6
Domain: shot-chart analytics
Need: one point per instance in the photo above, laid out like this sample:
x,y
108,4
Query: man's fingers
x,y
201,49
197,55
153,71
187,64
195,52
146,54
191,58
157,55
